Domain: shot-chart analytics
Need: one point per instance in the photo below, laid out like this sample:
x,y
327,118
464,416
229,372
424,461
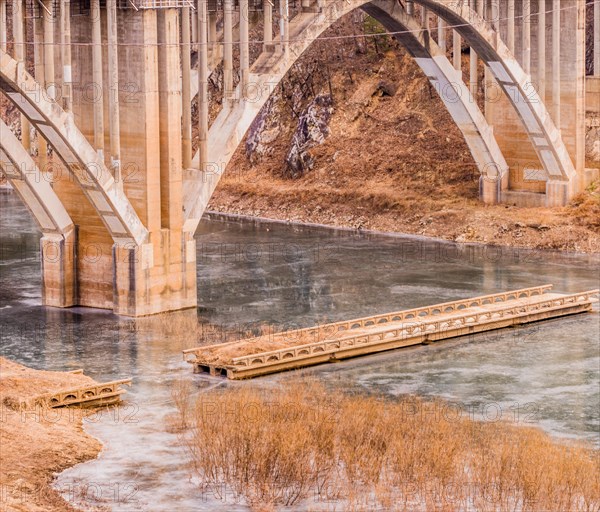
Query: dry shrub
x,y
585,207
305,444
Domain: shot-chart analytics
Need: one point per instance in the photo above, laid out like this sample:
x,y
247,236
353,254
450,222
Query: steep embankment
x,y
392,159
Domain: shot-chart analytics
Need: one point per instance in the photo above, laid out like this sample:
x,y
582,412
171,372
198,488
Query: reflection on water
x,y
251,273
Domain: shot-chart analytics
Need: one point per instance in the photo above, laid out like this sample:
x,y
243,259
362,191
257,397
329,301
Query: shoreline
x,y
425,239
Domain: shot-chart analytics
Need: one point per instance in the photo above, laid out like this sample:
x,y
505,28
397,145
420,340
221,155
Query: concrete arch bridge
x,y
109,85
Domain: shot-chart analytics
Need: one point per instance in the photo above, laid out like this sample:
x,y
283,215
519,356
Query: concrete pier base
x,y
558,193
155,277
59,269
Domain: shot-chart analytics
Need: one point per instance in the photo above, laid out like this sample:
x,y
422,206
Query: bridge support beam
x,y
97,77
113,91
65,47
442,34
541,56
228,49
216,49
267,24
473,64
20,52
244,47
457,53
284,27
94,266
203,104
186,66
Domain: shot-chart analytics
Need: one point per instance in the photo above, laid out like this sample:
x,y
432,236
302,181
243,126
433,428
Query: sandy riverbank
x,y
36,443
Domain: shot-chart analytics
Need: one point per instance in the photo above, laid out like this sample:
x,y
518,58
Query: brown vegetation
x,y
303,445
36,443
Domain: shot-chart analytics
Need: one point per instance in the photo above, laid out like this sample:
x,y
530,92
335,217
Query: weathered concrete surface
x,y
121,264
160,273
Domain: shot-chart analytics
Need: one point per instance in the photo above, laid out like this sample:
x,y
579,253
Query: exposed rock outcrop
x,y
312,129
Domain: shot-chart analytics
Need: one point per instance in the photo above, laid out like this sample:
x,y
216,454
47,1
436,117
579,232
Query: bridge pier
x,y
137,89
551,48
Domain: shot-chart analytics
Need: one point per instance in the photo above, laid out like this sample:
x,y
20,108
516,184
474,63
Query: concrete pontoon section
x,y
420,326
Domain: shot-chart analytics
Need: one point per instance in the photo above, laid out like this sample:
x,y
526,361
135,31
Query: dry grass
x,y
304,445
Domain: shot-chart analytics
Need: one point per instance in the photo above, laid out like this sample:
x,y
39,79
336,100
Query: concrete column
x,y
425,14
510,38
576,88
556,62
244,47
186,100
491,16
194,34
18,32
284,26
541,35
20,51
38,56
442,34
213,40
49,76
65,47
169,94
113,93
457,50
410,7
480,8
203,81
3,25
267,23
97,77
527,36
227,48
473,79
597,39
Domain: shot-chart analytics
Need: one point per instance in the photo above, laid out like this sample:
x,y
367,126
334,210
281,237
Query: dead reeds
x,y
339,451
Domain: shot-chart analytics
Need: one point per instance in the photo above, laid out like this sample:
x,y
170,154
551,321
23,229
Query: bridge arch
x,y
432,60
231,124
33,188
59,237
79,157
514,82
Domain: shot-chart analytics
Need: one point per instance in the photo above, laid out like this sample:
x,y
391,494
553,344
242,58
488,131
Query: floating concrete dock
x,y
327,343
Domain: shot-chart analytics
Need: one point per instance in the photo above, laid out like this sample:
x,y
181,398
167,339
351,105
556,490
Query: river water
x,y
545,374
